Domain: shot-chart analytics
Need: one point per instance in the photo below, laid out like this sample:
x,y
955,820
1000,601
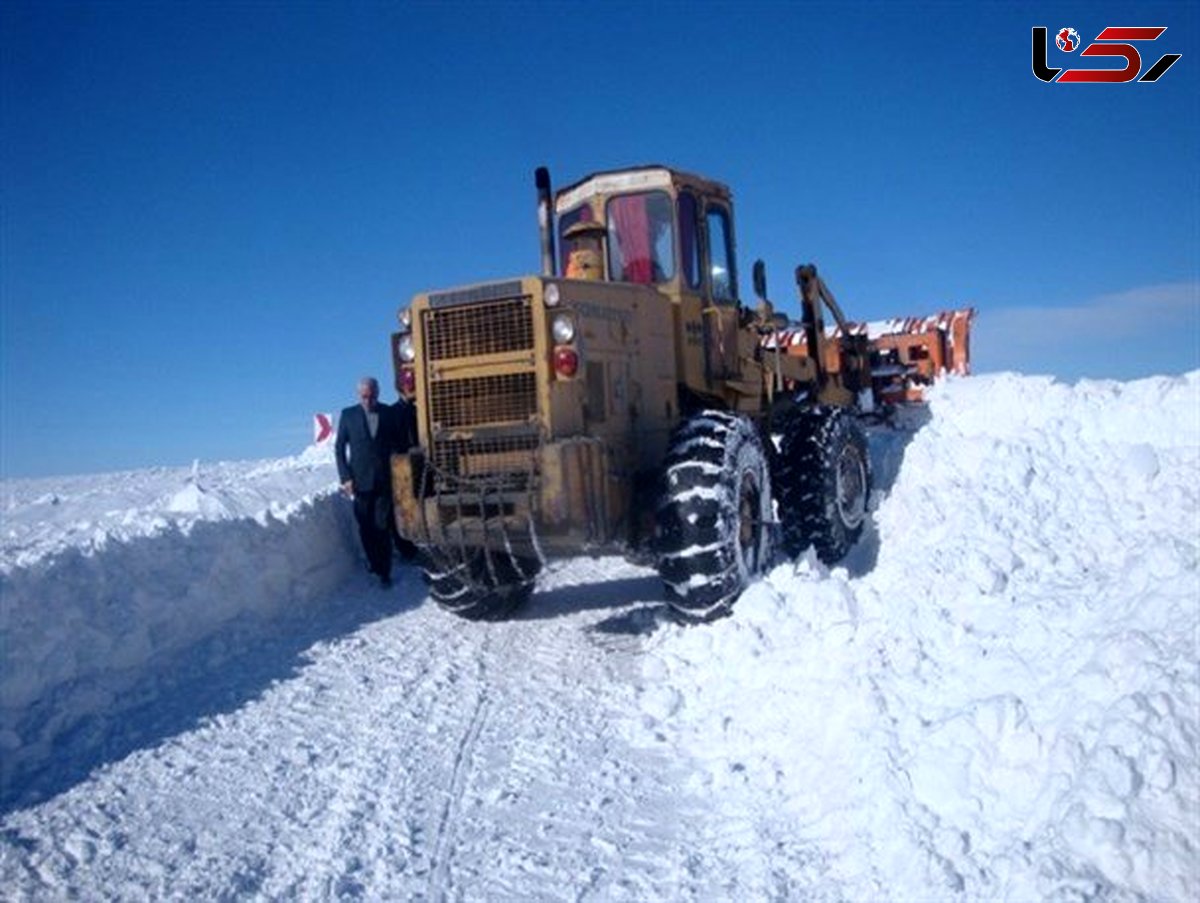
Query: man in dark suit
x,y
372,432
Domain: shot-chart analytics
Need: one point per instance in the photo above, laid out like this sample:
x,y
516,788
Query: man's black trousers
x,y
373,511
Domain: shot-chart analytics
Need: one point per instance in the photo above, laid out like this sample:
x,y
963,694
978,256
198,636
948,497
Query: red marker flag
x,y
322,428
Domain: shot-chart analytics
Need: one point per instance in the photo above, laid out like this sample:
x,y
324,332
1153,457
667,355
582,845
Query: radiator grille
x,y
483,400
479,329
467,468
498,464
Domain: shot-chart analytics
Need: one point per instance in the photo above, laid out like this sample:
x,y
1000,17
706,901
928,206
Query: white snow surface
x,y
995,697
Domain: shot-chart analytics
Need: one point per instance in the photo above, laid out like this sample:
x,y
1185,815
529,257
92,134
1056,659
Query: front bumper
x,y
569,501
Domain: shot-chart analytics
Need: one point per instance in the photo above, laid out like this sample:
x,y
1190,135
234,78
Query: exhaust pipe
x,y
541,178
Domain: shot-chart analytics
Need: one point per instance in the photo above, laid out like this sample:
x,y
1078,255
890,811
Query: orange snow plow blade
x,y
907,353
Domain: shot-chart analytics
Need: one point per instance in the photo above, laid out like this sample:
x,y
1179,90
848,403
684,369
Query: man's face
x,y
367,396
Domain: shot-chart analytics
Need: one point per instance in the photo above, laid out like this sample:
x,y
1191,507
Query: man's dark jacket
x,y
370,459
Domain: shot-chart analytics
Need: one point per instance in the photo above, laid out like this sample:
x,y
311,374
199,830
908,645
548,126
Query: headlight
x,y
551,296
406,349
405,318
563,329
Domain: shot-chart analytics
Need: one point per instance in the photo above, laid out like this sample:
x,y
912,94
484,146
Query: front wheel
x,y
483,585
714,515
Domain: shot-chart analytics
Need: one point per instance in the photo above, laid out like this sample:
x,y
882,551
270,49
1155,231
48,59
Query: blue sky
x,y
211,211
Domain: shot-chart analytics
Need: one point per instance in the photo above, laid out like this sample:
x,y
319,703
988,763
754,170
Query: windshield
x,y
641,238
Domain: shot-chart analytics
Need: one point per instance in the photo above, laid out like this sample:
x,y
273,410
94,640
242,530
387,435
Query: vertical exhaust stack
x,y
541,178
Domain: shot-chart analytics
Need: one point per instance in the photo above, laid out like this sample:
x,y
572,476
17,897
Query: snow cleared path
x,y
414,757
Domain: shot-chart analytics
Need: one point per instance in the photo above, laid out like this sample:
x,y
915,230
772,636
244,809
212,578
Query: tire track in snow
x,y
398,696
416,757
555,804
463,758
370,791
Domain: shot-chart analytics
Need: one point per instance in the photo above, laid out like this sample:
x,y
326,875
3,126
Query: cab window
x,y
720,256
689,243
582,213
641,238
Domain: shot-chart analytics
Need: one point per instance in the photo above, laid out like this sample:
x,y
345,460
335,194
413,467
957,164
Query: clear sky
x,y
211,211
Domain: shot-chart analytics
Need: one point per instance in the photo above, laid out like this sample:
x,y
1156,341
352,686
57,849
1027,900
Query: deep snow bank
x,y
1007,704
94,597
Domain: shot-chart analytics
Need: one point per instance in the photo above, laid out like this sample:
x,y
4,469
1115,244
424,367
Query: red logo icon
x,y
1110,42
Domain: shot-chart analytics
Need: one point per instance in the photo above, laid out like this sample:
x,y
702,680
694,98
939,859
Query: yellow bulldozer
x,y
626,400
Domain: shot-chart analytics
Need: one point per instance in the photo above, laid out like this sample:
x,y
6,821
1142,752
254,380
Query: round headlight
x,y
406,349
551,295
563,329
405,318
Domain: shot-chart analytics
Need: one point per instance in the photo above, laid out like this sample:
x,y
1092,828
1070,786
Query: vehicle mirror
x,y
760,280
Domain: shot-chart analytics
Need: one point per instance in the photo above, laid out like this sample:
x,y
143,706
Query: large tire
x,y
823,483
714,515
486,586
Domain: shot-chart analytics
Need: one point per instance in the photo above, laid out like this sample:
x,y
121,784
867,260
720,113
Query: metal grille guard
x,y
457,558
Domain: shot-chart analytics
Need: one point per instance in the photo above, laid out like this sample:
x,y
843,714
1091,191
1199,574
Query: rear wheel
x,y
823,481
714,514
483,586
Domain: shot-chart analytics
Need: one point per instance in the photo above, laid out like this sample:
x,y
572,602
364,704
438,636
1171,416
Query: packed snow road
x,y
413,757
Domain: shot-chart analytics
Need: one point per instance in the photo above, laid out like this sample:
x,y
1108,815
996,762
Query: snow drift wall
x,y
85,625
1007,705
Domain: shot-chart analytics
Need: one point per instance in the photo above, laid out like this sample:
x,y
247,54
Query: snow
x,y
96,594
996,696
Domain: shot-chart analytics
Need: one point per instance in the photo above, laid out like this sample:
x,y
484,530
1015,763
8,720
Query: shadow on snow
x,y
886,445
218,675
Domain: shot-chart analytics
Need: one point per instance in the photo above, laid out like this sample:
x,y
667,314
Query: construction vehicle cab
x,y
667,229
623,400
